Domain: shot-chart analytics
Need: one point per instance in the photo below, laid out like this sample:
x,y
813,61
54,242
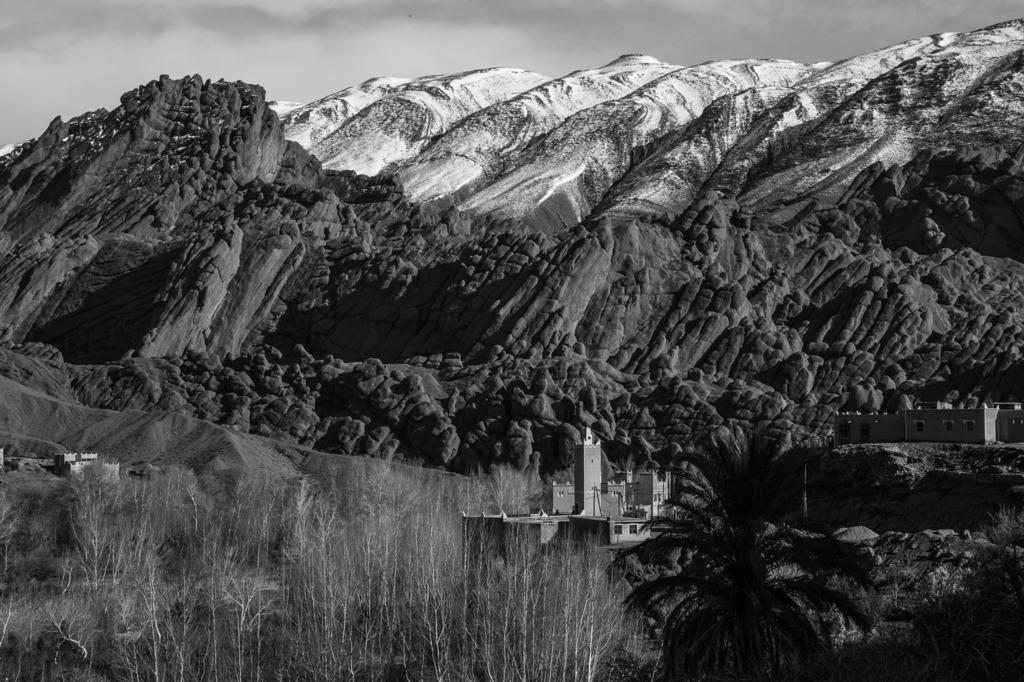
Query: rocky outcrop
x,y
119,226
912,487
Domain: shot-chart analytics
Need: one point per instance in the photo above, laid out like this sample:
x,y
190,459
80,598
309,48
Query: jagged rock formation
x,y
180,253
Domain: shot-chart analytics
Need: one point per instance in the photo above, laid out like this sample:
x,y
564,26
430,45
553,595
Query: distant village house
x,y
934,422
590,494
75,463
587,509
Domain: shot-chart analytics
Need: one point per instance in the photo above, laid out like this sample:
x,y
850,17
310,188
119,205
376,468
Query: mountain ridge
x,y
180,254
465,165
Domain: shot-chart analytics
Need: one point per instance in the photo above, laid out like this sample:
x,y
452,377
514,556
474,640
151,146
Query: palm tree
x,y
756,595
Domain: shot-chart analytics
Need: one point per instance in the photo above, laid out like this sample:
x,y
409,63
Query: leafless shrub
x,y
361,575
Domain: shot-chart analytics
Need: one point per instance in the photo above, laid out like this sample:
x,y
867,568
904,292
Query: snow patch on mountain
x,y
672,176
281,108
604,138
943,95
477,149
400,123
310,123
642,138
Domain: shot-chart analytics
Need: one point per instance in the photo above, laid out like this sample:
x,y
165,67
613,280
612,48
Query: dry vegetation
x,y
366,573
360,575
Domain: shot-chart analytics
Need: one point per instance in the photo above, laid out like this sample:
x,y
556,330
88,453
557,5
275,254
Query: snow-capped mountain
x,y
476,151
640,137
383,123
561,177
310,123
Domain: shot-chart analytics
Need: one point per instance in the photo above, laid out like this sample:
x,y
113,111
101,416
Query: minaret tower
x,y
587,462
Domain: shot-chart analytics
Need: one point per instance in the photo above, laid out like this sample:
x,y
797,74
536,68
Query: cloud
x,y
780,23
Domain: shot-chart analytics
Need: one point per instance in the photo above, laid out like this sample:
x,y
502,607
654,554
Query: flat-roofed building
x,y
496,533
956,425
934,423
869,428
1010,423
563,498
629,530
75,463
650,491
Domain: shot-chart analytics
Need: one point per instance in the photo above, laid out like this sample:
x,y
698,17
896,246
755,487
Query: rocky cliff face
x,y
741,249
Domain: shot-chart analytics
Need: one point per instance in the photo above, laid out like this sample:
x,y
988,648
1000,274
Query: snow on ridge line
x,y
283,107
598,137
512,156
6,149
310,123
398,124
476,147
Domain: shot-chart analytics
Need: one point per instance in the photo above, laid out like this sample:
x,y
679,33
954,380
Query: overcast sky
x,y
65,57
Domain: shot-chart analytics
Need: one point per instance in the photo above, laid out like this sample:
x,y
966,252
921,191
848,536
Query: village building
x,y
590,508
499,530
644,494
75,463
563,498
934,422
651,492
587,474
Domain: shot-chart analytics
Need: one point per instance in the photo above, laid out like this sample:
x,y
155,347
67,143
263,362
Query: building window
x,y
919,425
633,529
844,430
865,430
969,424
948,424
618,529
